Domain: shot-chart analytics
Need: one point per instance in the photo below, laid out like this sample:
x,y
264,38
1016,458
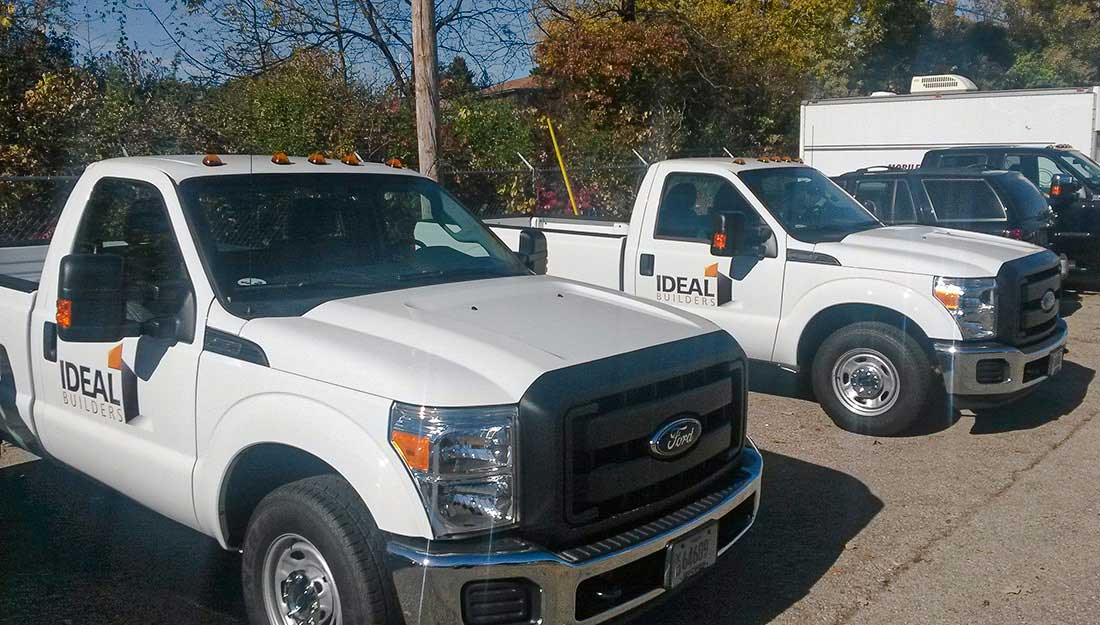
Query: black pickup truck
x,y
1068,178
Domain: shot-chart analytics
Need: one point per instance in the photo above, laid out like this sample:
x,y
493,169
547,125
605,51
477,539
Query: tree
x,y
245,37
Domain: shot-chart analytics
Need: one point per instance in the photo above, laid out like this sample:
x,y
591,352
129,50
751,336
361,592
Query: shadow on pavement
x,y
72,551
1071,303
808,513
1053,399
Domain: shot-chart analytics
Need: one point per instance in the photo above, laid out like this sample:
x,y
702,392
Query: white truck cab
x,y
883,319
334,368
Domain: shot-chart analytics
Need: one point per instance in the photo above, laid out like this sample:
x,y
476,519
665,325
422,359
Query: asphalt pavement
x,y
991,518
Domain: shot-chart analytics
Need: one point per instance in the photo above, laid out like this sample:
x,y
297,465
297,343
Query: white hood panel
x,y
927,250
469,343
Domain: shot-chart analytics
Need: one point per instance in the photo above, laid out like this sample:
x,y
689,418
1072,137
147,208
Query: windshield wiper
x,y
306,284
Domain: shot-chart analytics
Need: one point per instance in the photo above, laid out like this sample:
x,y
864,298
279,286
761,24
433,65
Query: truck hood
x,y
927,250
463,344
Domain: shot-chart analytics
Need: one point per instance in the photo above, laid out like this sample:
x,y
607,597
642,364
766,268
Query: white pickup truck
x,y
332,367
884,319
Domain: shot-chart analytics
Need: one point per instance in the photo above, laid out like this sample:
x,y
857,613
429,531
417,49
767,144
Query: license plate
x,y
1056,361
689,555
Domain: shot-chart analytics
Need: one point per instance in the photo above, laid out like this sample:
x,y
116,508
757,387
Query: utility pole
x,y
427,86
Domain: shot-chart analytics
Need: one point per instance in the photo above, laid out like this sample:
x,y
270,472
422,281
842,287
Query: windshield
x,y
280,244
809,205
1083,166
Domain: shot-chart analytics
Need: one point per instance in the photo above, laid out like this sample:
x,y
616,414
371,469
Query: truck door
x,y
741,294
124,411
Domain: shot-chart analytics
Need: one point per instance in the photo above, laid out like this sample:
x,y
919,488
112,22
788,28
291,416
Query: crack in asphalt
x,y
846,615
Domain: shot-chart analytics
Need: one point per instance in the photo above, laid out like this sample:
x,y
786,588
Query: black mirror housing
x,y
532,250
91,301
1063,189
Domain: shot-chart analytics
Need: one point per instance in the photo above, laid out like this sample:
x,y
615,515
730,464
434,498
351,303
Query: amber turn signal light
x,y
414,449
64,313
719,241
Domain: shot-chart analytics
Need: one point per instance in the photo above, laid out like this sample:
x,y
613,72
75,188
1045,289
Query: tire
x,y
886,364
318,529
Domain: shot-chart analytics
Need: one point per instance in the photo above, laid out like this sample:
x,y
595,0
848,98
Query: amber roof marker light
x,y
212,160
317,158
351,158
280,158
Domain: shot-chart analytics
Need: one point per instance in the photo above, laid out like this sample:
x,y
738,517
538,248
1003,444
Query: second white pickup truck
x,y
884,319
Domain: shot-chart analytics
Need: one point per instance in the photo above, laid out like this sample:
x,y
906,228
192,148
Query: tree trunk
x,y
427,86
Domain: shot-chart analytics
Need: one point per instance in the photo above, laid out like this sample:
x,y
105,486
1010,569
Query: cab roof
x,y
736,164
182,167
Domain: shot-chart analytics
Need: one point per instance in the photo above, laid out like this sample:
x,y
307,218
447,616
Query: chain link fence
x,y
607,192
29,207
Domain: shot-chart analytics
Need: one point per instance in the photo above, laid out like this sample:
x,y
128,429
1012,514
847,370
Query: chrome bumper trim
x,y
959,362
429,584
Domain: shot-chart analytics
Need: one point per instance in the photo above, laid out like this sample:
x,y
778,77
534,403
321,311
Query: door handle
x,y
645,265
49,341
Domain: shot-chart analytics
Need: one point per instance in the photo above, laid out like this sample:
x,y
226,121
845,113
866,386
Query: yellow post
x,y
561,164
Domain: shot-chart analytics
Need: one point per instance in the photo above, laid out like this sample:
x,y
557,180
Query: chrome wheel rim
x,y
298,585
866,382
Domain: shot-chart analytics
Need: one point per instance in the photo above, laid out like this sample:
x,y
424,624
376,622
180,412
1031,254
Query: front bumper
x,y
970,369
430,577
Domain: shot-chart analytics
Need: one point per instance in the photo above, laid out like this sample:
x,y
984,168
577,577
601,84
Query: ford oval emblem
x,y
1049,300
676,438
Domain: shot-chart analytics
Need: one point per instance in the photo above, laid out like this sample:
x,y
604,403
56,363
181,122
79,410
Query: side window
x,y
129,219
688,202
963,200
964,160
877,196
1047,168
904,212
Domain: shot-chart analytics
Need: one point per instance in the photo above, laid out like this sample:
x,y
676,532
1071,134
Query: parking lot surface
x,y
988,518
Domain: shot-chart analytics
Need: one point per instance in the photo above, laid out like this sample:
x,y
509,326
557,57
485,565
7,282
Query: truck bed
x,y
21,267
578,248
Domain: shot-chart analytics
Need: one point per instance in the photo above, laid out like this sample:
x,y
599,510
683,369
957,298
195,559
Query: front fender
x,y
350,446
909,295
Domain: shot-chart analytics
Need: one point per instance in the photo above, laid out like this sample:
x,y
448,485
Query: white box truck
x,y
844,134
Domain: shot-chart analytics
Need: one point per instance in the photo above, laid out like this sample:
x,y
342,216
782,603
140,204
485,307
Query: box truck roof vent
x,y
940,83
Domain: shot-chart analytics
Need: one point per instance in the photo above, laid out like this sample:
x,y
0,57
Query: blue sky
x,y
98,27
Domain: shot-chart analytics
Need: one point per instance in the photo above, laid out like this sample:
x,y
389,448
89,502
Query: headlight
x,y
463,461
972,302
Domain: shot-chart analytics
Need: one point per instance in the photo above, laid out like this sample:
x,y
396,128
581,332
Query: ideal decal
x,y
713,289
98,392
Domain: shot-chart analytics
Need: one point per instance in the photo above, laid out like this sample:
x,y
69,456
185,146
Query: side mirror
x,y
91,303
726,229
532,250
1063,189
732,236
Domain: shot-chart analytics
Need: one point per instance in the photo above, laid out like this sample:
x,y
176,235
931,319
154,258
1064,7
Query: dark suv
x,y
994,202
1076,231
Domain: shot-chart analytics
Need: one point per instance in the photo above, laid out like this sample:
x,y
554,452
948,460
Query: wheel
x,y
312,556
872,378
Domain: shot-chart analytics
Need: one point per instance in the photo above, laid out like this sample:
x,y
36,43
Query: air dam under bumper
x,y
564,587
996,369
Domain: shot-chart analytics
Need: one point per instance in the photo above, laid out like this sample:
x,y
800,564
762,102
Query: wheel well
x,y
832,319
256,472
